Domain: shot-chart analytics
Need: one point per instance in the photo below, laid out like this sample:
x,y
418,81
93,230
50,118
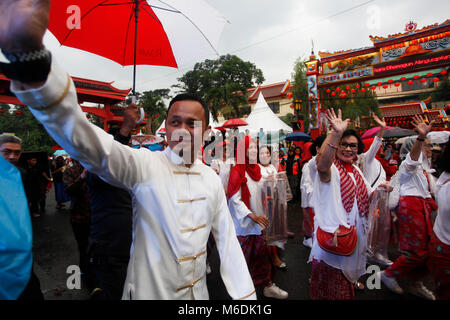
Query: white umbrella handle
x,y
141,110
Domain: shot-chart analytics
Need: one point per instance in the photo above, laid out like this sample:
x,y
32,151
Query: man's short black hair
x,y
190,97
443,162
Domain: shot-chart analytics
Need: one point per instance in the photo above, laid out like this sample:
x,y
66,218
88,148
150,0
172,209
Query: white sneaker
x,y
273,291
307,242
390,282
419,290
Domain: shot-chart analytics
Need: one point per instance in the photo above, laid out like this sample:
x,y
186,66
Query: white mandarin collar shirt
x,y
174,207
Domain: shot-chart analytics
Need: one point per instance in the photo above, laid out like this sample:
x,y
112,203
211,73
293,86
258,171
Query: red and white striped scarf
x,y
349,190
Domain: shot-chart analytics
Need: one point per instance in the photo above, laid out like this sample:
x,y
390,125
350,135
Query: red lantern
x,y
379,83
19,112
363,90
441,116
289,95
429,74
328,90
403,78
333,94
338,89
390,81
410,82
347,87
423,80
397,84
436,79
385,86
353,91
292,106
373,87
367,84
416,77
357,86
444,72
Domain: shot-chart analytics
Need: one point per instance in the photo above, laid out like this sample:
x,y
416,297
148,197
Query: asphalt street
x,y
55,250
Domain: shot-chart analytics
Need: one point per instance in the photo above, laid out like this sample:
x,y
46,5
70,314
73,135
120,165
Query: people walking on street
x,y
417,187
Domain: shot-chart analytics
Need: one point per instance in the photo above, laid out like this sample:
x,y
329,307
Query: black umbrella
x,y
298,136
398,132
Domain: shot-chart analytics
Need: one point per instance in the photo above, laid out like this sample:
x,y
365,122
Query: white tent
x,y
263,117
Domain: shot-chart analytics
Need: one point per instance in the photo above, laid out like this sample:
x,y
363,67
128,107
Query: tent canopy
x,y
263,117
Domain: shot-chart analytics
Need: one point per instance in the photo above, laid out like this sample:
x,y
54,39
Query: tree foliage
x,y
300,91
357,101
23,124
221,83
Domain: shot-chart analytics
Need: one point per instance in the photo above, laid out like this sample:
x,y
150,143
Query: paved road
x,y
55,249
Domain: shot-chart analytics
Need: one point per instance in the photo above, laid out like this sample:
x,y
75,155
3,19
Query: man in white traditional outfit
x,y
177,201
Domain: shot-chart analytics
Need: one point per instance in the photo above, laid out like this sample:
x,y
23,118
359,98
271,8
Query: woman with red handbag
x,y
341,204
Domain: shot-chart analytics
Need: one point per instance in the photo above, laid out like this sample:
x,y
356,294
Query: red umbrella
x,y
221,128
57,147
231,123
136,32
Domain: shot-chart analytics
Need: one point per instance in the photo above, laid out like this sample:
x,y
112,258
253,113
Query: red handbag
x,y
342,242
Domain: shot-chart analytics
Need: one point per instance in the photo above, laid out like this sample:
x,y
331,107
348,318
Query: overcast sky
x,y
272,35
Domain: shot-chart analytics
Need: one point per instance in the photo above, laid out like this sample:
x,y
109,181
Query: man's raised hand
x,y
23,24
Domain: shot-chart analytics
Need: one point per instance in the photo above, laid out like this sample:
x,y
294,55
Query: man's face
x,y
185,125
32,162
11,152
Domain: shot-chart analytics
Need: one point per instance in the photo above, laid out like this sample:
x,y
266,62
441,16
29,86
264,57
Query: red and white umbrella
x,y
139,32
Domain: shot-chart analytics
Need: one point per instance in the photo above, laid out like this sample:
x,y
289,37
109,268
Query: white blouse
x,y
329,214
442,224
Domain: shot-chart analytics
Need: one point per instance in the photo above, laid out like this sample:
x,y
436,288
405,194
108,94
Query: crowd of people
x,y
145,221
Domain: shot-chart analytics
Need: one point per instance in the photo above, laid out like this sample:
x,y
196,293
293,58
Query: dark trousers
x,y
110,274
81,233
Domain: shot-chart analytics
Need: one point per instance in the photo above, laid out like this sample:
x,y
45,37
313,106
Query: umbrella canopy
x,y
439,137
298,136
404,139
60,153
231,123
221,128
57,147
372,132
398,132
135,32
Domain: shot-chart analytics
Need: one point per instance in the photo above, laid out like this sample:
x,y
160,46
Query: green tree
x,y
20,121
153,104
442,91
300,93
355,100
221,83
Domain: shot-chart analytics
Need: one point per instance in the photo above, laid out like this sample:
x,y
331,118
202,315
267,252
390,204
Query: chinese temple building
x,y
88,91
400,69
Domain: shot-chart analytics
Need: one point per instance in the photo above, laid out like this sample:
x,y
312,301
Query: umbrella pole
x,y
136,18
